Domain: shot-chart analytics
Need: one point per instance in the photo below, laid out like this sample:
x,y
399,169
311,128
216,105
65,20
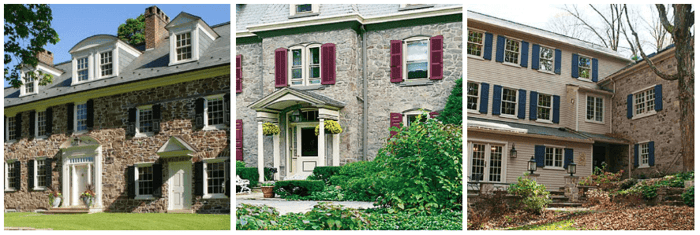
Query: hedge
x,y
251,174
298,187
324,173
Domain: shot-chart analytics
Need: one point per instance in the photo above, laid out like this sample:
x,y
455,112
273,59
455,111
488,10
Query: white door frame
x,y
304,164
174,167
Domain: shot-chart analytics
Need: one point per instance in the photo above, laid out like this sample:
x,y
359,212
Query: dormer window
x,y
303,10
83,69
100,57
184,46
28,83
106,63
31,76
190,37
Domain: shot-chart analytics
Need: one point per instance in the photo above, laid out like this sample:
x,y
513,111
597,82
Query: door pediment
x,y
176,147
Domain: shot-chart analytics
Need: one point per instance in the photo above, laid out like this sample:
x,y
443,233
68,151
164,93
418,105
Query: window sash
x,y
82,68
644,153
215,111
302,8
512,51
144,180
487,160
81,117
216,175
11,175
475,43
417,67
28,83
509,100
106,63
584,67
594,109
314,62
472,96
40,173
41,123
544,106
553,157
546,59
11,127
145,120
644,101
184,46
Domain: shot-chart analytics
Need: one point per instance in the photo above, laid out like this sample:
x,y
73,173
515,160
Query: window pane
x,y
215,111
495,163
296,73
303,8
81,117
417,59
512,51
474,45
472,95
296,57
41,173
146,120
309,142
478,162
215,177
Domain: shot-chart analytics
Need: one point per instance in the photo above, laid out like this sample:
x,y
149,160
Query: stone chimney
x,y
155,31
45,57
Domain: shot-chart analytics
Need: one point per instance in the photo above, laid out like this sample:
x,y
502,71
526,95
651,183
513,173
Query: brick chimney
x,y
45,57
155,31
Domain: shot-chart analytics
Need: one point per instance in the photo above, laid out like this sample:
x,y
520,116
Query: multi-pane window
x,y
553,157
472,96
546,59
413,118
28,83
11,122
12,174
512,51
41,123
106,63
184,46
495,163
544,106
215,111
305,65
417,59
146,120
487,162
302,8
145,180
644,154
215,177
509,101
82,69
81,117
478,161
584,67
475,43
297,70
644,101
40,173
314,65
594,109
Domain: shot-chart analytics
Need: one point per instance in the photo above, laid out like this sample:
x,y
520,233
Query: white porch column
x,y
276,153
98,177
261,158
74,189
89,171
336,149
65,190
321,142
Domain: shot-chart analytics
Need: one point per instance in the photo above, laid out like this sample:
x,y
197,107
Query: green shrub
x,y
627,183
329,193
240,164
326,216
358,181
535,197
324,173
251,174
380,219
689,196
249,217
452,114
298,187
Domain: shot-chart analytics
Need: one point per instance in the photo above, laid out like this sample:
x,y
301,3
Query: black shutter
x,y
131,125
5,133
30,175
227,109
157,180
199,179
18,179
32,124
90,122
156,118
131,182
49,172
18,126
49,121
69,119
228,175
199,110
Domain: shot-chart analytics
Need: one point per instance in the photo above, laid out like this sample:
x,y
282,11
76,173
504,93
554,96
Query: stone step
x,y
673,203
68,210
556,192
565,204
180,211
674,197
559,198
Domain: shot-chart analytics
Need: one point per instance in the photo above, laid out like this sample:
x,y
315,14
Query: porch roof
x,y
525,129
605,138
289,96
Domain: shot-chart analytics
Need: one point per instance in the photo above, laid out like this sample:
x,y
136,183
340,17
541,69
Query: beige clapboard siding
x,y
515,167
594,127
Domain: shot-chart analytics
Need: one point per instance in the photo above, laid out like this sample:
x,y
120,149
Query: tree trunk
x,y
686,87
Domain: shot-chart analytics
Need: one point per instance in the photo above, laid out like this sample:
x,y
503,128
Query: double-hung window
x,y
411,117
145,120
41,123
81,117
11,174
644,154
28,82
644,101
214,110
584,67
82,69
554,157
106,63
215,178
305,65
184,46
39,174
144,181
594,109
509,101
11,133
512,51
546,59
487,162
475,43
544,107
472,96
416,58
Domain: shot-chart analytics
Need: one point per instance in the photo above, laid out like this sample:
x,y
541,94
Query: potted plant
x,y
270,129
268,189
54,198
330,127
88,195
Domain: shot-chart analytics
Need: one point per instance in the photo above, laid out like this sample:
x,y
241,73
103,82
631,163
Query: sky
x,y
74,23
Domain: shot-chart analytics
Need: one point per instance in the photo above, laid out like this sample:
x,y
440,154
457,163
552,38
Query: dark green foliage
x,y
132,31
452,114
255,217
535,197
359,181
380,219
27,31
649,191
627,183
298,187
240,164
324,173
689,196
329,193
326,216
251,174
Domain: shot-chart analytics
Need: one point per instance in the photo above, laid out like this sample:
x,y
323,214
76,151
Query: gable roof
x,y
669,49
288,94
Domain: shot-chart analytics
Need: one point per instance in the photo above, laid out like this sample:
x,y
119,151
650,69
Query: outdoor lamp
x,y
572,168
513,152
532,165
295,116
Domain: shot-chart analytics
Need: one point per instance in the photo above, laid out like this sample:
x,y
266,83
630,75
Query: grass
x,y
559,225
119,221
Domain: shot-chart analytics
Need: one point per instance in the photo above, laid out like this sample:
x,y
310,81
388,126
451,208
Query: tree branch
x,y
587,25
649,62
662,16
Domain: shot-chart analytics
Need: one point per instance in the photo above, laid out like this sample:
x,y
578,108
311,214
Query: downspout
x,y
611,100
364,92
577,108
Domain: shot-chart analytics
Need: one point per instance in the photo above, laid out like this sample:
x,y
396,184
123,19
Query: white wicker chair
x,y
243,184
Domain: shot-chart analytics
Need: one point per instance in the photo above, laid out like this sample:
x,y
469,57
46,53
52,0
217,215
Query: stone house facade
x,y
368,67
146,127
534,94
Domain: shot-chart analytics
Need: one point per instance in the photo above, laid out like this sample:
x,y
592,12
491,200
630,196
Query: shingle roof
x,y
603,138
325,99
151,64
640,60
537,130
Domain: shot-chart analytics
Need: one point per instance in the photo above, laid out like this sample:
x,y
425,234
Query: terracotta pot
x,y
268,191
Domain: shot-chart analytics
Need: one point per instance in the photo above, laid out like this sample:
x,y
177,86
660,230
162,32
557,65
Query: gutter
x,y
363,32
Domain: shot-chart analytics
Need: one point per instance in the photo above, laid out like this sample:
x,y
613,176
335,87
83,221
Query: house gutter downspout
x,y
364,93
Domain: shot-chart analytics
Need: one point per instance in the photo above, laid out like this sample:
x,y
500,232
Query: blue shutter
x,y
533,105
651,153
535,56
484,100
568,157
500,46
636,155
629,106
488,45
496,109
524,47
522,100
557,61
658,99
539,155
594,78
574,65
555,110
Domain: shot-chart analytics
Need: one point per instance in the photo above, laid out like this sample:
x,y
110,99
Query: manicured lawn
x,y
120,221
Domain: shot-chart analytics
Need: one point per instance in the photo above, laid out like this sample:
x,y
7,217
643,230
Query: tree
x,y
452,114
680,30
28,30
656,29
132,31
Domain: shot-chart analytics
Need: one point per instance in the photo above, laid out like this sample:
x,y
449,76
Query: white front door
x,y
307,149
80,179
180,186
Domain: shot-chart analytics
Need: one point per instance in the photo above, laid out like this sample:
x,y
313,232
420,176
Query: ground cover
x,y
119,221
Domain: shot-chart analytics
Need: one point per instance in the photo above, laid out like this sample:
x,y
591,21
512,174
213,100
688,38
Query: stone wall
x,y
119,152
252,91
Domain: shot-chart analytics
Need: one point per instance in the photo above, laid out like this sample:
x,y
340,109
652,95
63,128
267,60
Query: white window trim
x,y
36,125
404,58
487,157
87,56
483,42
75,117
23,88
7,130
517,101
563,157
36,178
634,104
136,182
551,109
194,43
98,68
520,52
293,9
205,178
305,64
554,57
138,122
7,182
478,97
642,165
602,114
221,126
590,75
415,112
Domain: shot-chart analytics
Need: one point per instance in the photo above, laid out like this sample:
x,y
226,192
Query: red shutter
x,y
395,120
433,114
239,74
436,57
328,64
281,67
396,61
239,140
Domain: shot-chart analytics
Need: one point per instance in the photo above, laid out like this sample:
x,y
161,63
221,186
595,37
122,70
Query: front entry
x,y
180,187
80,181
304,148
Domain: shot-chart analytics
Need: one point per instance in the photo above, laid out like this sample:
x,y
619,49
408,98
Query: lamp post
x,y
513,152
532,165
571,168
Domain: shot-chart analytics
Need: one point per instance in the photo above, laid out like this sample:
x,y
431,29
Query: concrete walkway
x,y
285,207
